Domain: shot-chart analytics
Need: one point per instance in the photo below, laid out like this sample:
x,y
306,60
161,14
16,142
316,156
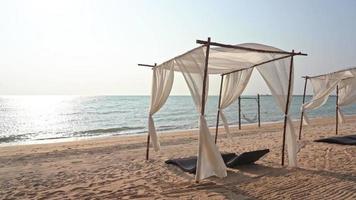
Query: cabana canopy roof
x,y
347,72
224,59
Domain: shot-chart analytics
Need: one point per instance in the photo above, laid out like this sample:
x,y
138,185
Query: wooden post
x,y
205,77
259,110
217,116
302,114
202,112
239,102
148,146
148,137
287,108
337,109
249,49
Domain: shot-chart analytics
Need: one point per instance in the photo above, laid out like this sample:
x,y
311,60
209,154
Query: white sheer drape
x,y
194,79
210,162
347,93
324,85
276,75
233,86
162,82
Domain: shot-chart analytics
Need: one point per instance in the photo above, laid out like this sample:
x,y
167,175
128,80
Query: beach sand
x,y
115,167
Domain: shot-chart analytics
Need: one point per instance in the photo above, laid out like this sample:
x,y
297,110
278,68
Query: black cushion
x,y
188,164
246,158
231,160
346,140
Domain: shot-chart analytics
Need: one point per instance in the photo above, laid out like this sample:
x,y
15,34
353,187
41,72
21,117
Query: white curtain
x,y
276,75
162,82
322,88
347,92
324,85
210,162
233,86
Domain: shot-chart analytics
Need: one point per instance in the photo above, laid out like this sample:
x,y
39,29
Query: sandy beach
x,y
115,167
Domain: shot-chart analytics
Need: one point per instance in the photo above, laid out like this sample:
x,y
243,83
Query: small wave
x,y
108,130
165,128
13,138
113,112
52,138
97,112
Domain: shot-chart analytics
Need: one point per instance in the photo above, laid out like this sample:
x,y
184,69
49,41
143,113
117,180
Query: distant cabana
x,y
344,81
235,64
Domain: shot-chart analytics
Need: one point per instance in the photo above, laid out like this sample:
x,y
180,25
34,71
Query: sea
x,y
46,119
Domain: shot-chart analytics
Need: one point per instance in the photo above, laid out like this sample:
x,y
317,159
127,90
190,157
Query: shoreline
x,y
246,130
141,134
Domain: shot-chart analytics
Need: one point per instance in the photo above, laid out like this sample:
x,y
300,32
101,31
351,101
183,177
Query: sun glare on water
x,y
40,113
41,105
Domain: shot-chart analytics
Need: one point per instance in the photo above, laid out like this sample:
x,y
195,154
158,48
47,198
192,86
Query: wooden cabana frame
x,y
148,135
208,44
302,113
306,78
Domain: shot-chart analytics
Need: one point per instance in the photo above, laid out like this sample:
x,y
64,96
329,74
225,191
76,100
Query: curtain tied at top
x,y
162,82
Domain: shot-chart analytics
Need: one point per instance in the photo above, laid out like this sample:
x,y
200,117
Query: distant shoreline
x,y
162,133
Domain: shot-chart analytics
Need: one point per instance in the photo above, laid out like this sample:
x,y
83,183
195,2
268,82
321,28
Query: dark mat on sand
x,y
231,160
246,158
346,140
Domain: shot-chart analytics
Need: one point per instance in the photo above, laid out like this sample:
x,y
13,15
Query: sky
x,y
83,47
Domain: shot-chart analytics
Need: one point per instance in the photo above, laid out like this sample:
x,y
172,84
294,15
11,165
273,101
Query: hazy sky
x,y
93,47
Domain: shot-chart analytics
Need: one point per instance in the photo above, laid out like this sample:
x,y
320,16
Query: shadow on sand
x,y
230,186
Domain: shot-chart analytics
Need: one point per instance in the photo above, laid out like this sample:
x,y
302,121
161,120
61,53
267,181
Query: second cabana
x,y
343,81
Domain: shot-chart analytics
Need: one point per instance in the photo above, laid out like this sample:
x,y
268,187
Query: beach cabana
x,y
235,64
343,81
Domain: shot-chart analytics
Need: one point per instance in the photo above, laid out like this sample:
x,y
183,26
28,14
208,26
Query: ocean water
x,y
45,119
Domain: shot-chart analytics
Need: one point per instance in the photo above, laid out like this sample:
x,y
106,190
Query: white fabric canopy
x,y
324,85
162,82
224,60
233,86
